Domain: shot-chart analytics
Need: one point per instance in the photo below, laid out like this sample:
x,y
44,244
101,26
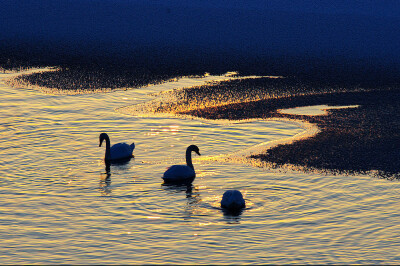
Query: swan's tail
x,y
132,146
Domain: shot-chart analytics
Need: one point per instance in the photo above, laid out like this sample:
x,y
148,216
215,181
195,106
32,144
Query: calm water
x,y
56,205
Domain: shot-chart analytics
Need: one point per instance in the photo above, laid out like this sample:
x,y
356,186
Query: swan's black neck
x,y
105,137
189,158
108,148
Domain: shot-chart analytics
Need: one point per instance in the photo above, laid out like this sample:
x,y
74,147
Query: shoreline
x,y
159,96
14,81
346,141
362,140
245,156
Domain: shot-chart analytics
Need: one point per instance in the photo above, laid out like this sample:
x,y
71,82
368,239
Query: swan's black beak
x,y
101,141
198,152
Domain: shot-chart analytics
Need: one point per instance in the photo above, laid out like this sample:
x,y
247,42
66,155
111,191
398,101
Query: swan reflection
x,y
105,185
192,195
105,182
232,217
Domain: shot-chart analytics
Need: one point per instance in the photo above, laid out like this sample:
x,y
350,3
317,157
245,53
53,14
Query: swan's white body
x,y
233,200
182,173
118,152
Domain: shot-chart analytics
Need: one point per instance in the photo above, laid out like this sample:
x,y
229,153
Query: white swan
x,y
182,173
118,152
233,200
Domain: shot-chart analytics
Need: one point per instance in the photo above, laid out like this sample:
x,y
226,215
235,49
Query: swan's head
x,y
132,146
194,148
102,137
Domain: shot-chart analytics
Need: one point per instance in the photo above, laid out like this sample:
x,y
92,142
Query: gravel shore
x,y
354,140
357,140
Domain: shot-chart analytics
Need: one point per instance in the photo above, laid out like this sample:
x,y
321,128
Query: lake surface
x,y
58,206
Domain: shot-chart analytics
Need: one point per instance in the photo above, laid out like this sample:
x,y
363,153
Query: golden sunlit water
x,y
58,205
313,110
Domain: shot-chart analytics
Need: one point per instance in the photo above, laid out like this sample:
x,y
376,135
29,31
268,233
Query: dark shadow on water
x,y
192,196
108,166
118,164
119,161
187,188
105,182
180,183
232,216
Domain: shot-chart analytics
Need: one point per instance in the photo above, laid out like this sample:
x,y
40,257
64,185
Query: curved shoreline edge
x,y
242,156
11,79
341,143
245,156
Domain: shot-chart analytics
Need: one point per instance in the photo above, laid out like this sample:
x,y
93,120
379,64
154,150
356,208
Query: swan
x,y
182,173
233,200
118,152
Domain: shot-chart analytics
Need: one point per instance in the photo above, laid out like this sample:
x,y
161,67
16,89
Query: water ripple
x,y
58,205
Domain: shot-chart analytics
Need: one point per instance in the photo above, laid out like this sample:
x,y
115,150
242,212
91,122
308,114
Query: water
x,y
313,110
58,206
